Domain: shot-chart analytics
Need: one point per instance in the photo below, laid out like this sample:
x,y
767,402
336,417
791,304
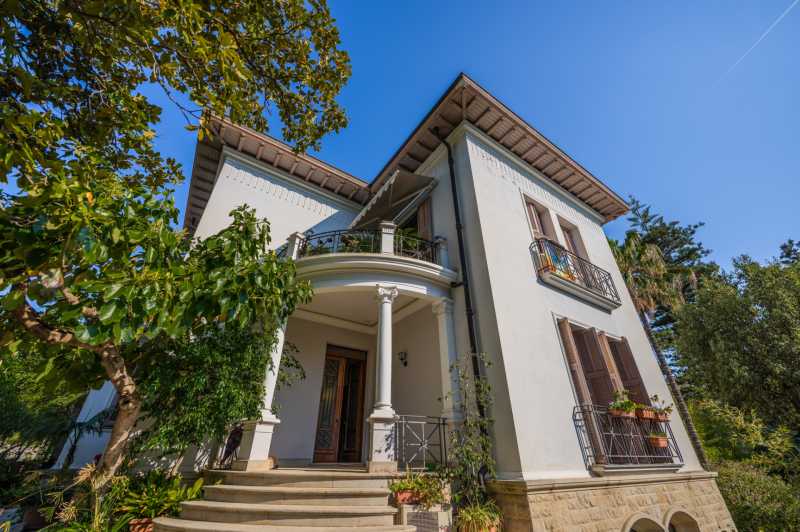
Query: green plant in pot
x,y
658,439
660,408
480,517
622,405
422,489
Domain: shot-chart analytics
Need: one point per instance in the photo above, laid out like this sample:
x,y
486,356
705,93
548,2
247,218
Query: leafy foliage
x,y
740,340
91,271
471,458
156,494
479,517
192,388
757,500
426,488
790,252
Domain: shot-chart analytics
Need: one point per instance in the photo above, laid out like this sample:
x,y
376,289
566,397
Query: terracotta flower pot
x,y
659,442
621,413
140,525
661,417
32,519
645,413
406,497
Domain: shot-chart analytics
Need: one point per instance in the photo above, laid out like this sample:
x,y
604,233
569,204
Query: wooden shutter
x,y
424,221
574,362
601,342
628,371
536,220
594,368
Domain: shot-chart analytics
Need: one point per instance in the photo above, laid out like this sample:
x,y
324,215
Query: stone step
x,y
167,524
287,514
302,478
281,494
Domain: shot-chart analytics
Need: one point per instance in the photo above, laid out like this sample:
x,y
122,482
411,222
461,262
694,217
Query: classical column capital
x,y
386,294
443,306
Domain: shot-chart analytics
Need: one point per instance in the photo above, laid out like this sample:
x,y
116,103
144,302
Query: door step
x,y
168,524
302,478
293,495
288,514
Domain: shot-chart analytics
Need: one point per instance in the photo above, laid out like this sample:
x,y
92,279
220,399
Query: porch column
x,y
448,359
257,433
382,420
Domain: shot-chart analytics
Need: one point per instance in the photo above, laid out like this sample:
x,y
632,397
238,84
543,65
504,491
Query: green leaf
x,y
116,234
112,290
108,311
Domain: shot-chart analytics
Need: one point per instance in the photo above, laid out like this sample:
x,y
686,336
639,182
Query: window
x,y
599,365
572,239
540,221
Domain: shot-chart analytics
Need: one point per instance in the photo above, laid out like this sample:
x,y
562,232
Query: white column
x,y
448,358
382,420
387,237
257,434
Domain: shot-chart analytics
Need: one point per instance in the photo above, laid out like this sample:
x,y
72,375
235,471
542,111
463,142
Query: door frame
x,y
344,354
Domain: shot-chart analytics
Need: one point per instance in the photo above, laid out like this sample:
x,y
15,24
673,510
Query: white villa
x,y
479,235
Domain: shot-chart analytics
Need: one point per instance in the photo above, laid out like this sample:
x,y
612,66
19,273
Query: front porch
x,y
376,344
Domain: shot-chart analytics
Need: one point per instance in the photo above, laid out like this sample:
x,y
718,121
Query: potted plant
x,y
622,405
424,490
658,439
645,412
479,517
661,410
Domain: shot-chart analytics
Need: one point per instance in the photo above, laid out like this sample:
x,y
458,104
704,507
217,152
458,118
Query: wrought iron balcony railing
x,y
558,261
345,241
414,247
421,442
615,441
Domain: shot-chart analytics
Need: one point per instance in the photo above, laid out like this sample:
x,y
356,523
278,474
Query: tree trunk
x,y
129,405
677,396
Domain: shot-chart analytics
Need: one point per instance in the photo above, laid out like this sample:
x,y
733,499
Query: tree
x,y
91,271
684,261
740,340
790,252
652,286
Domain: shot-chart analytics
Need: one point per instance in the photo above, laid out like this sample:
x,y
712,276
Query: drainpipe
x,y
470,312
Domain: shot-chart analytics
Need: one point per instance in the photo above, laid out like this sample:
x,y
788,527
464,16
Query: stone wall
x,y
614,504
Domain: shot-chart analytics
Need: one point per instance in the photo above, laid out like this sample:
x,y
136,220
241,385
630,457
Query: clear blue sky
x,y
640,93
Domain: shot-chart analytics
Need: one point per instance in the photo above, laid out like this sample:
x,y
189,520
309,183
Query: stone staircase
x,y
290,500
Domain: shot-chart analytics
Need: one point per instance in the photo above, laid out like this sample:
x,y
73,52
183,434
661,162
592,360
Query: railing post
x,y
387,237
294,243
440,249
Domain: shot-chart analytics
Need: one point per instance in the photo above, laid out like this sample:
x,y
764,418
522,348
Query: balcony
x,y
562,269
610,442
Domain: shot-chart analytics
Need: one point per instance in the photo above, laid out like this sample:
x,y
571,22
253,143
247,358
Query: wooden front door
x,y
341,406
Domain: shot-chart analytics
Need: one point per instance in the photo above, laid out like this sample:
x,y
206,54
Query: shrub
x,y
480,517
428,489
758,500
157,494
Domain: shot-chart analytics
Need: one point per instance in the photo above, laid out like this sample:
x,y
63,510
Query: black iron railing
x,y
421,442
345,241
611,440
414,247
559,261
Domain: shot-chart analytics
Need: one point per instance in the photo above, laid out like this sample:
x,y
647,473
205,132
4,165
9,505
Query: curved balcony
x,y
358,258
563,269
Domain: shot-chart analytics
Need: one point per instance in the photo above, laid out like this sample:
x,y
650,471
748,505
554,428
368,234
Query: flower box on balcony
x,y
646,413
658,441
621,413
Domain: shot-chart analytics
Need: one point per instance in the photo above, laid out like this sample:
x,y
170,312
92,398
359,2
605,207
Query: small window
x,y
540,221
572,239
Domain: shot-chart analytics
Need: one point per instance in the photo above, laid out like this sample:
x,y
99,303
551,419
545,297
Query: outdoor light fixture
x,y
403,356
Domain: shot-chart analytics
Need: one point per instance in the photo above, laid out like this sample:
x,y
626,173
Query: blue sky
x,y
640,92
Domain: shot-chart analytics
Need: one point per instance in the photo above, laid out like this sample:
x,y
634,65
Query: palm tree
x,y
651,286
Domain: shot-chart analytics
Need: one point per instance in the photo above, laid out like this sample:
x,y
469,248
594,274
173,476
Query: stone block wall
x,y
615,504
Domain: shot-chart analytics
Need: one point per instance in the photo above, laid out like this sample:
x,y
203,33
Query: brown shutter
x,y
574,362
594,368
602,344
424,222
628,371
